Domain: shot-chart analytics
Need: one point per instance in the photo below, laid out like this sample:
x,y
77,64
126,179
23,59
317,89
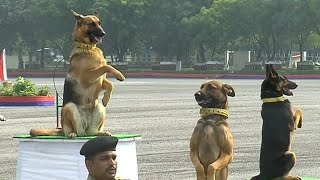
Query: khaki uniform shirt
x,y
91,178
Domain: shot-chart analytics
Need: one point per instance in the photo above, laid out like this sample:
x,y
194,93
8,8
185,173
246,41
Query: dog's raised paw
x,y
120,77
105,101
2,118
300,123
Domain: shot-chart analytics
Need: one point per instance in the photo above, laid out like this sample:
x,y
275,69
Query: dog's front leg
x,y
297,117
117,74
225,143
108,87
94,75
220,163
198,166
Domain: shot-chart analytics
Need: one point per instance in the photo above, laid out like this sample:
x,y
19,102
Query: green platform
x,y
120,136
305,178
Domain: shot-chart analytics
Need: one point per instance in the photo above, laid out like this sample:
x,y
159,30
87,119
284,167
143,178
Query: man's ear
x,y
89,164
78,16
228,90
270,72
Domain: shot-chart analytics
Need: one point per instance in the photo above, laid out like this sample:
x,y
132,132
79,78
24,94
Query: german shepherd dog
x,y
211,143
279,123
81,114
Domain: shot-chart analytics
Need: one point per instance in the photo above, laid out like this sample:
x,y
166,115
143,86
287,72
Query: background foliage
x,y
23,87
172,30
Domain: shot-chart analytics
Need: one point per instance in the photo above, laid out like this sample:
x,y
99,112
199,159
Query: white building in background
x,y
295,58
238,60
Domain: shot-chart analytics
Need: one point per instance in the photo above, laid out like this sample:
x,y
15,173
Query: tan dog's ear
x,y
228,90
78,16
96,13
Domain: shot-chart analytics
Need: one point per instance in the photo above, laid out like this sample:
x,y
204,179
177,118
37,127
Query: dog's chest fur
x,y
278,123
77,89
208,146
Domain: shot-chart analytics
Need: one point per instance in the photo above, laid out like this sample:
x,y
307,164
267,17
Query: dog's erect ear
x,y
78,16
228,90
270,72
96,13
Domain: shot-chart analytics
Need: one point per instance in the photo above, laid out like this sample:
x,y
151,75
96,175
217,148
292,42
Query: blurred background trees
x,y
173,30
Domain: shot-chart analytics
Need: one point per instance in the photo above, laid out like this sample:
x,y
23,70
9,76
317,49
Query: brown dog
x,y
211,143
279,123
81,114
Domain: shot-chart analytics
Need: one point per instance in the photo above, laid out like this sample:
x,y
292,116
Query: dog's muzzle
x,y
96,35
200,98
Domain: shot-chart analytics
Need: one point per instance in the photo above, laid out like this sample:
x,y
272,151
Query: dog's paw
x,y
120,77
104,133
72,135
300,124
105,101
290,177
2,118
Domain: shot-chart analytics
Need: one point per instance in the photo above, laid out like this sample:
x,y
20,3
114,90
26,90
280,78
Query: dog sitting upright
x,y
81,114
211,143
279,122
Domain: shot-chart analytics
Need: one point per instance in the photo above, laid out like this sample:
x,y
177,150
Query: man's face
x,y
103,166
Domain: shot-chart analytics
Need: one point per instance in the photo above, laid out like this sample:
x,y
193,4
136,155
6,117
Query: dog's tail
x,y
46,132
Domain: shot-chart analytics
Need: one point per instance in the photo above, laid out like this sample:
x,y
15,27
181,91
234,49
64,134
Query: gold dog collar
x,y
210,111
272,100
84,46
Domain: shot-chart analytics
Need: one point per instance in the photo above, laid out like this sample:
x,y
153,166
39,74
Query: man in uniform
x,y
100,158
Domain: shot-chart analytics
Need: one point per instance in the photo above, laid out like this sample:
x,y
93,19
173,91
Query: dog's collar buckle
x,y
211,111
272,100
84,46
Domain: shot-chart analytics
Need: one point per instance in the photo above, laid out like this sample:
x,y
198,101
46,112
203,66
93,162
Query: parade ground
x,y
164,113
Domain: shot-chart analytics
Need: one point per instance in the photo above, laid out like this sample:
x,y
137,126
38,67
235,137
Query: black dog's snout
x,y
294,85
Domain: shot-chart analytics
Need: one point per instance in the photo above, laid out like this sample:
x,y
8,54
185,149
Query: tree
x,y
211,28
300,24
123,20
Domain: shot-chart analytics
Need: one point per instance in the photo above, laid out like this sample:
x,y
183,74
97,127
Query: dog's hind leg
x,y
289,177
285,163
71,122
96,128
297,115
108,87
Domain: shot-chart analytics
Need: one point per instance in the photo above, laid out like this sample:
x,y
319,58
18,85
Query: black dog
x,y
279,122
